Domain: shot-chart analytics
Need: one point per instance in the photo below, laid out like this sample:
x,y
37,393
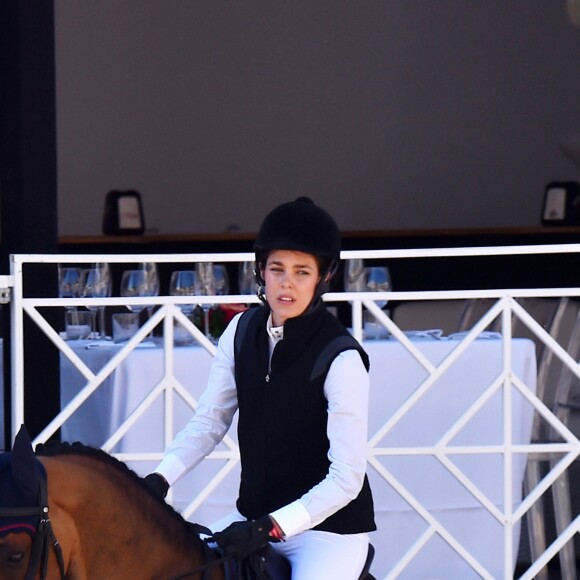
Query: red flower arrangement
x,y
219,317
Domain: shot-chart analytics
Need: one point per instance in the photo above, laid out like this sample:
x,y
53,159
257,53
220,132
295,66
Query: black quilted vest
x,y
283,415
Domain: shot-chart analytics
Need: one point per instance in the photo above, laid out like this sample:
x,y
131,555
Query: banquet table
x,y
394,376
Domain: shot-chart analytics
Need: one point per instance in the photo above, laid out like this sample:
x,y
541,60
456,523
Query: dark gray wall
x,y
393,114
28,197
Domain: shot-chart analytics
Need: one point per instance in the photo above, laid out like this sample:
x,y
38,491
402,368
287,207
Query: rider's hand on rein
x,y
241,539
158,484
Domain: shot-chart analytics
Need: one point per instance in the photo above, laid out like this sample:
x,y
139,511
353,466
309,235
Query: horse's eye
x,y
16,557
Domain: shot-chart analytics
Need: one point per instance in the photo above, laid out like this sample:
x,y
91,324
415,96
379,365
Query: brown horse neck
x,y
111,527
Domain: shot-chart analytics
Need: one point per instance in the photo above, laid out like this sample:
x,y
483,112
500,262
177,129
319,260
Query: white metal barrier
x,y
506,306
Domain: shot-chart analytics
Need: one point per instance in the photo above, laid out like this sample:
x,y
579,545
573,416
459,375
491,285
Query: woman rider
x,y
300,383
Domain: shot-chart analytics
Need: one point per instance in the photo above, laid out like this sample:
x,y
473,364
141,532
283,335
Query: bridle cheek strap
x,y
46,534
41,548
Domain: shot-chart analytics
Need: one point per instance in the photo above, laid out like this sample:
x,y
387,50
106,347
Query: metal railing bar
x,y
133,258
169,376
407,558
473,409
421,295
134,416
545,483
329,297
158,455
17,344
210,487
463,251
92,385
429,519
553,549
473,489
506,326
357,318
191,401
400,336
195,332
59,342
433,377
474,449
142,300
545,412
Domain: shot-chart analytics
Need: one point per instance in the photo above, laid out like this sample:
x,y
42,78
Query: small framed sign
x,y
561,203
123,213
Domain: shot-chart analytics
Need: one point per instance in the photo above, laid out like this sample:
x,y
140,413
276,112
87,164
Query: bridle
x,y
42,538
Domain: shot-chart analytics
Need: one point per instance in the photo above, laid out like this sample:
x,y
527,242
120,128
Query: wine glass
x,y
205,286
134,283
152,283
183,283
95,284
354,275
246,278
69,283
104,267
378,279
221,280
152,277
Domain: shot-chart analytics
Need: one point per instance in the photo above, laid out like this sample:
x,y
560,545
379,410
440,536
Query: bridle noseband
x,y
39,550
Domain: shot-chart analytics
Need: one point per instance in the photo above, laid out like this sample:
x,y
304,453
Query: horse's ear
x,y
24,469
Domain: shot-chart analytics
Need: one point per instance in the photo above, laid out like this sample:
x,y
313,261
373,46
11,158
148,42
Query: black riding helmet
x,y
302,226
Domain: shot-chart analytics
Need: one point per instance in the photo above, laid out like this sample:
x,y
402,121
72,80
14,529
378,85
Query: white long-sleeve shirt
x,y
346,388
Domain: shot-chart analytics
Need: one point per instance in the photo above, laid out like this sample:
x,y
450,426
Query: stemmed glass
x,y
354,275
246,278
96,283
182,283
152,278
104,267
205,286
221,280
152,283
69,283
134,283
69,286
378,279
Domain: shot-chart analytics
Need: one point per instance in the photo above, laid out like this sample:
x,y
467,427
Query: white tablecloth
x,y
394,376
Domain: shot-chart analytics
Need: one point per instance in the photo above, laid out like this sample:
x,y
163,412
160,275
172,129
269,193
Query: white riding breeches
x,y
316,554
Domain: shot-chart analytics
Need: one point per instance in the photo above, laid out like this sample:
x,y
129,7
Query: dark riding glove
x,y
158,484
241,539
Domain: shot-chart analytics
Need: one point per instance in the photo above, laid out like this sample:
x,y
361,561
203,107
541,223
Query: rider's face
x,y
291,278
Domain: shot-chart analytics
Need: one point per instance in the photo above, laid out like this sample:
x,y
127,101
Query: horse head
x,y
91,493
22,481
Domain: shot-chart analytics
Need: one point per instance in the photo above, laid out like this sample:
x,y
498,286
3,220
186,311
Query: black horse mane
x,y
53,448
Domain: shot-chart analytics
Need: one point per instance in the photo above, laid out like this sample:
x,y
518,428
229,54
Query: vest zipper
x,y
267,377
269,373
